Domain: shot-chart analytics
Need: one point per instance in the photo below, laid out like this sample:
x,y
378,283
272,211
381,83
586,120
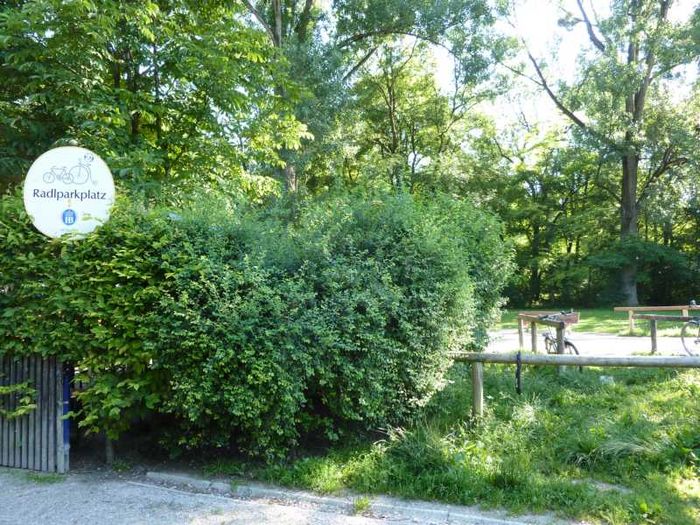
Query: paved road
x,y
107,499
592,344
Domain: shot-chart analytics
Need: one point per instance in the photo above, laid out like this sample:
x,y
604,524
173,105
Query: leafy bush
x,y
293,319
90,302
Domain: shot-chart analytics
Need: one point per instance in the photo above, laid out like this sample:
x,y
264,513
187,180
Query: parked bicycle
x,y
550,340
690,334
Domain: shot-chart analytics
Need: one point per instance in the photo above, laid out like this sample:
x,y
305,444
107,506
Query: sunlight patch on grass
x,y
552,449
601,320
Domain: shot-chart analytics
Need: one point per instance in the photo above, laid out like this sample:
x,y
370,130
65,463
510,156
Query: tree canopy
x,y
258,98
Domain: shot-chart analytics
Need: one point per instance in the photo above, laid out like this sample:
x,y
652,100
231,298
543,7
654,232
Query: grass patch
x,y
44,477
550,449
361,504
601,320
121,465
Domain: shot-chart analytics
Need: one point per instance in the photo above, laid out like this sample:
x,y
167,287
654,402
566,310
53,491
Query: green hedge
x,y
294,319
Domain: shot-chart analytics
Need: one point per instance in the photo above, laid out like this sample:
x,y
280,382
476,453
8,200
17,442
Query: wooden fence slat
x,y
31,463
46,416
6,425
18,421
3,400
35,440
9,426
13,421
25,419
3,424
21,430
60,444
51,420
38,436
31,417
2,405
20,427
9,373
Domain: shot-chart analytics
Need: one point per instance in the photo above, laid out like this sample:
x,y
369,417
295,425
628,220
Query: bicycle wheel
x,y
550,345
690,336
570,348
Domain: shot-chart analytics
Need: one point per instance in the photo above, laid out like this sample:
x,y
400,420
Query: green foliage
x,y
618,453
89,302
164,91
301,318
666,275
23,398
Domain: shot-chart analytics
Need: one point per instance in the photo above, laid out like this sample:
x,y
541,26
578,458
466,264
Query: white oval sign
x,y
68,190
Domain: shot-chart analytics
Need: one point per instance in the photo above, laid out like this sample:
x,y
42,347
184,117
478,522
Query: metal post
x,y
533,336
652,327
477,389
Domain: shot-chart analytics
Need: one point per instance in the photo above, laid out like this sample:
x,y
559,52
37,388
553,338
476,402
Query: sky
x,y
535,23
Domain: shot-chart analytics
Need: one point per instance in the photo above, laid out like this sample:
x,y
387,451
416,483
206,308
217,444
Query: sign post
x,y
68,190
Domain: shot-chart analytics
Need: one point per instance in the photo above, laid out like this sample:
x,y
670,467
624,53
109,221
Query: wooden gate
x,y
37,440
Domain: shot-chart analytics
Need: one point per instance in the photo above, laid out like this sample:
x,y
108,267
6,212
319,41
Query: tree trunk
x,y
290,178
535,275
628,225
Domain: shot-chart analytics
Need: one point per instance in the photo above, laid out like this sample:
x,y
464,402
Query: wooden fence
x,y
654,319
532,318
38,440
477,361
683,309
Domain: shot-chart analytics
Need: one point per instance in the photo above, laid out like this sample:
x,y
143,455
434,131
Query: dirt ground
x,y
591,344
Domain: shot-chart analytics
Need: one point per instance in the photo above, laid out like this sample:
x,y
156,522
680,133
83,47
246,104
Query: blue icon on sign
x,y
69,217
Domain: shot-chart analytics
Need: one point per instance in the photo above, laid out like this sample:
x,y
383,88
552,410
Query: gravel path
x,y
96,498
86,499
592,344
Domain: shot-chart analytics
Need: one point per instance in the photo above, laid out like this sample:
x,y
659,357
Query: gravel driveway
x,y
94,499
105,498
591,343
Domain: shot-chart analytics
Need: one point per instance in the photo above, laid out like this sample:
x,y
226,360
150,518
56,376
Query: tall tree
x,y
622,103
350,32
168,90
406,129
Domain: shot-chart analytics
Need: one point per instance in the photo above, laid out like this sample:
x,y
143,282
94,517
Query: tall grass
x,y
618,453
